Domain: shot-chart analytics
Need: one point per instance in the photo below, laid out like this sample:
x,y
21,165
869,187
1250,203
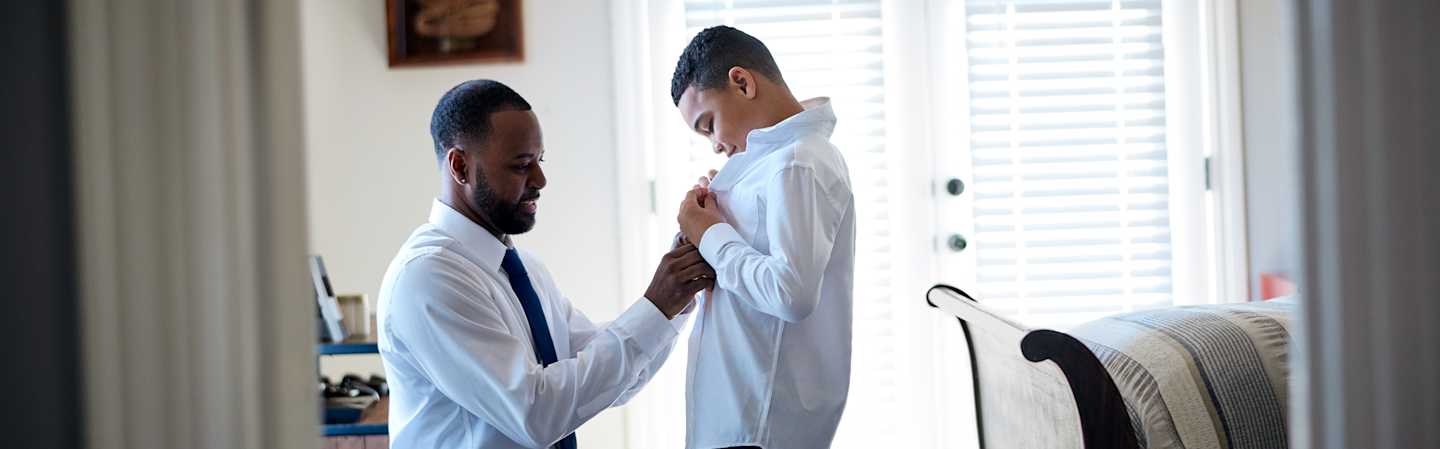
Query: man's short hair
x,y
706,62
464,112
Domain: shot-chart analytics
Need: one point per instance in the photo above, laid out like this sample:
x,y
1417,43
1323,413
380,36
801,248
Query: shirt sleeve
x,y
801,222
456,335
582,332
654,365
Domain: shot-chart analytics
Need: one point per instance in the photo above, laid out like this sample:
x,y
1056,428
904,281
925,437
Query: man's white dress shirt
x,y
769,361
460,359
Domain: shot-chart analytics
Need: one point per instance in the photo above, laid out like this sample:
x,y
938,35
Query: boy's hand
x,y
698,212
704,181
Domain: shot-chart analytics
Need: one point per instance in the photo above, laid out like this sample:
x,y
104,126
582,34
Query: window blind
x,y
1067,140
835,48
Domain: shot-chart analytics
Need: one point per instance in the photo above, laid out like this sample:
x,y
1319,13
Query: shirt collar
x,y
817,118
475,242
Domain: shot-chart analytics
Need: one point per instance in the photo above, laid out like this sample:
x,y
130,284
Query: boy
x,y
769,361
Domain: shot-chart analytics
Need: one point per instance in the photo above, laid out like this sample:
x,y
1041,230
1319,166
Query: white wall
x,y
1270,97
372,171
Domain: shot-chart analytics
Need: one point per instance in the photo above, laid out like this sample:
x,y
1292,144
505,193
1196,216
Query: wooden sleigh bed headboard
x,y
1063,399
1164,378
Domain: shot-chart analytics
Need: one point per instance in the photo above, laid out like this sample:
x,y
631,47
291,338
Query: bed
x,y
1190,377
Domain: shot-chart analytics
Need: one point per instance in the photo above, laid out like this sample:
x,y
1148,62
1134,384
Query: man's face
x,y
508,177
722,114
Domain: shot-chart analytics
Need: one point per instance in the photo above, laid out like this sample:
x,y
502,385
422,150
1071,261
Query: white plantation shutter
x,y
1078,127
835,48
1068,146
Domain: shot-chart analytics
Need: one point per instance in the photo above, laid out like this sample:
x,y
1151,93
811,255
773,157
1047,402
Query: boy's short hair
x,y
706,62
464,112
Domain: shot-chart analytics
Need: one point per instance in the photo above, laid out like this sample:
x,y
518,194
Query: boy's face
x,y
725,114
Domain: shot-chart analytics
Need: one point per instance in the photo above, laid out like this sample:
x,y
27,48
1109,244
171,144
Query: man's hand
x,y
682,273
698,212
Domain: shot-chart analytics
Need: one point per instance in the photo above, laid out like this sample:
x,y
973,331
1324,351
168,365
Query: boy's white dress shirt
x,y
769,361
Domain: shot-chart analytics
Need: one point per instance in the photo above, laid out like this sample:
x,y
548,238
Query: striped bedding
x,y
1200,377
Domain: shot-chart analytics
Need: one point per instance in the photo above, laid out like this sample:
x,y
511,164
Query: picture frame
x,y
440,32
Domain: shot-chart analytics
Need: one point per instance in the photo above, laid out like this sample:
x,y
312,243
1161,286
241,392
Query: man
x,y
480,347
770,352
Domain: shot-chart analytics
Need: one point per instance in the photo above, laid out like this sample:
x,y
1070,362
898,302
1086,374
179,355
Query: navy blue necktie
x,y
539,329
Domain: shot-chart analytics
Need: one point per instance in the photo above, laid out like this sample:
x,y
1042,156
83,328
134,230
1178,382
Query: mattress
x,y
1200,377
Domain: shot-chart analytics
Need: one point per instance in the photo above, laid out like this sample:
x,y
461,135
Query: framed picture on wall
x,y
434,32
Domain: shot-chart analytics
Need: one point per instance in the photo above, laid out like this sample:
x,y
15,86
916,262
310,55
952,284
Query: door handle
x,y
956,243
955,186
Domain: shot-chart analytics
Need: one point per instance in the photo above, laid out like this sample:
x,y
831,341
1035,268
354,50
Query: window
x,y
1076,127
1067,143
836,49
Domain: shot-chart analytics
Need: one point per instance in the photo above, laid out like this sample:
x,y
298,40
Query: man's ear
x,y
743,81
456,166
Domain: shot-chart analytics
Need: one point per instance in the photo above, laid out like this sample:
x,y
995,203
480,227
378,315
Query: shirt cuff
x,y
684,316
715,238
647,326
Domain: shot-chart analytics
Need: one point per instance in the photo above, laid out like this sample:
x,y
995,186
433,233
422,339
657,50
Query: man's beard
x,y
506,217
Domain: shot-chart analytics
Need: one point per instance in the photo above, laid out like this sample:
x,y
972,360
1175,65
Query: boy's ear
x,y
743,81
